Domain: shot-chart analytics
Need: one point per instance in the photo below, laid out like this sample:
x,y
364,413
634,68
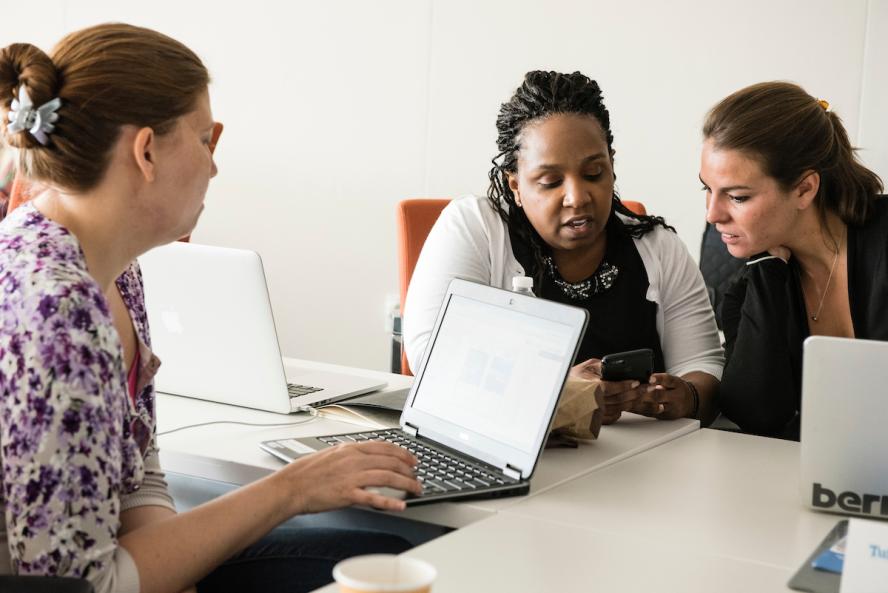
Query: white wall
x,y
335,111
873,138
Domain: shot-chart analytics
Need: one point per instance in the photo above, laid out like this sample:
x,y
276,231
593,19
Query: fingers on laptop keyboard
x,y
391,464
378,501
383,448
376,478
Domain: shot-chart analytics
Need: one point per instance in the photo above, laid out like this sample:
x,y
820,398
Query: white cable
x,y
313,416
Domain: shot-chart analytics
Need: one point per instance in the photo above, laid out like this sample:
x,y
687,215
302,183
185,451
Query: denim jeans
x,y
296,559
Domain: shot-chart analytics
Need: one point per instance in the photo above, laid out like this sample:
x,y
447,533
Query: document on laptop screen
x,y
494,371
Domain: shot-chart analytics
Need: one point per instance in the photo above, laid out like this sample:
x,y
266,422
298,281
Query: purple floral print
x,y
72,443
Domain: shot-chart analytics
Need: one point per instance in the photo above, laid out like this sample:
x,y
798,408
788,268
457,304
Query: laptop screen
x,y
494,371
844,468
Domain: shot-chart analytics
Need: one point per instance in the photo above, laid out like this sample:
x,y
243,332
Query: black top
x,y
620,318
765,323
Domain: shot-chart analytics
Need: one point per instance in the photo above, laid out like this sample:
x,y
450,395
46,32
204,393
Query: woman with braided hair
x,y
552,213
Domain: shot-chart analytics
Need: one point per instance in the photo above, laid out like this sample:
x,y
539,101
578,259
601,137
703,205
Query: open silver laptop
x,y
213,329
484,396
844,436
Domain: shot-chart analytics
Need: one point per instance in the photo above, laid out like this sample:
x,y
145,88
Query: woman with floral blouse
x,y
122,142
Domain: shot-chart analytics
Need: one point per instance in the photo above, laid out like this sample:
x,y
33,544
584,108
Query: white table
x,y
649,506
230,453
630,436
711,492
522,555
711,511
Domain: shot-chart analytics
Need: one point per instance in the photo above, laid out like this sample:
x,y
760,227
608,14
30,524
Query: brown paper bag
x,y
578,415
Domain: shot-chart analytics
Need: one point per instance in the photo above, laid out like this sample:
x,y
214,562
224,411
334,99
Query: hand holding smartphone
x,y
637,365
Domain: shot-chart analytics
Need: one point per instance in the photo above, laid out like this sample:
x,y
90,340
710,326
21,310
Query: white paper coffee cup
x,y
384,573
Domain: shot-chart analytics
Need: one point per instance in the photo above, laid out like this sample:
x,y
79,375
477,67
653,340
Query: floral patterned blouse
x,y
75,449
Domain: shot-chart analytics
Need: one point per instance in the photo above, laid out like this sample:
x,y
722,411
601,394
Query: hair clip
x,y
825,104
39,122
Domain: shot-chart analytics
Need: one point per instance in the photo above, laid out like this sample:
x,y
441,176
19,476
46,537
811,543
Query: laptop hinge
x,y
410,429
512,471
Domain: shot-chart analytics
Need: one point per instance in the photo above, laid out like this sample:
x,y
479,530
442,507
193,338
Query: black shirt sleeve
x,y
759,389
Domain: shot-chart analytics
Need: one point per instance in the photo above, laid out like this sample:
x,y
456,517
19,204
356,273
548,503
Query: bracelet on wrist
x,y
695,396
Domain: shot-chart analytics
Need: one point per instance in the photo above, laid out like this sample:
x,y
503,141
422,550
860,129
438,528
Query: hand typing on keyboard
x,y
436,469
345,475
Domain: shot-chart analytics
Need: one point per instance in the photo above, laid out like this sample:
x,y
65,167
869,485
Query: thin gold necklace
x,y
816,316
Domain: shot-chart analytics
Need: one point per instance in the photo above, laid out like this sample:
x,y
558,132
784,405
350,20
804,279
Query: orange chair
x,y
414,219
21,188
636,207
19,194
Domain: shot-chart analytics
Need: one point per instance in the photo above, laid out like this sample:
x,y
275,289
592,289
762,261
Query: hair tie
x,y
825,104
39,122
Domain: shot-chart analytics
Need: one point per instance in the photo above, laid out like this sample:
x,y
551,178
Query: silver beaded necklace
x,y
603,278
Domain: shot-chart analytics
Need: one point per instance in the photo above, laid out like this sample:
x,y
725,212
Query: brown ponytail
x,y
790,132
25,64
847,188
106,76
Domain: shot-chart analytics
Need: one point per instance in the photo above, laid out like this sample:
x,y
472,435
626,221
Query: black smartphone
x,y
635,365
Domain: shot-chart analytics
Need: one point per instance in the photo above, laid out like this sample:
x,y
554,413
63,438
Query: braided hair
x,y
540,95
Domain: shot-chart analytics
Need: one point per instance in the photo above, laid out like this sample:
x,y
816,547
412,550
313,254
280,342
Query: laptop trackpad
x,y
287,449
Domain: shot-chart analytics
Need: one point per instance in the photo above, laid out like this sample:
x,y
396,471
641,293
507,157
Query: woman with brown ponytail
x,y
784,189
115,127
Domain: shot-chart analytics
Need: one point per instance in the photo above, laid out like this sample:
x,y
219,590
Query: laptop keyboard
x,y
297,390
437,471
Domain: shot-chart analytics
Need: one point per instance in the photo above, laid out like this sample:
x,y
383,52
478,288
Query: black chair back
x,y
718,267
